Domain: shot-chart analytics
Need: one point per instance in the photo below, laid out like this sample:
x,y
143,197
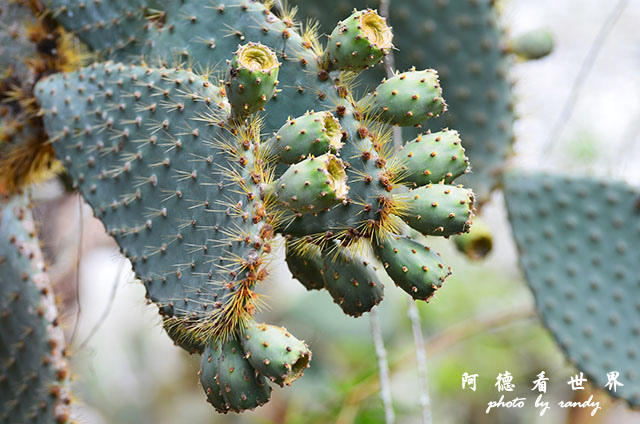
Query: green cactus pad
x,y
117,29
312,185
433,158
352,282
252,78
242,387
438,209
275,353
408,98
358,42
412,266
15,18
178,189
306,268
33,370
577,240
209,375
310,134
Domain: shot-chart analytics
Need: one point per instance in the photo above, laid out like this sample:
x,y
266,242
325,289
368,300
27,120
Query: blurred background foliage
x,y
483,321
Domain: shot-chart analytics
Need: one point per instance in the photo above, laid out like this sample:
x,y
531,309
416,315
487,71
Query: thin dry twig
x,y
421,360
107,309
383,367
78,260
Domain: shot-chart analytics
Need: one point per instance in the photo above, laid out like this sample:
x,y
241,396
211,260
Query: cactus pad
x,y
33,370
576,238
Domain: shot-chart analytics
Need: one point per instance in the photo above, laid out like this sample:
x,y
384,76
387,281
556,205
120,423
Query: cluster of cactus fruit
x,y
175,162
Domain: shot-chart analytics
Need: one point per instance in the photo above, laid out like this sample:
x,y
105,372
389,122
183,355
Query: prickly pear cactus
x,y
176,165
576,238
33,369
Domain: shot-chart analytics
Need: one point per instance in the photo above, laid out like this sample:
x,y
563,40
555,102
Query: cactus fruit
x,y
275,353
209,377
476,244
241,386
358,42
307,268
534,44
310,134
433,158
33,370
412,266
576,238
408,98
235,373
438,209
252,79
352,282
314,184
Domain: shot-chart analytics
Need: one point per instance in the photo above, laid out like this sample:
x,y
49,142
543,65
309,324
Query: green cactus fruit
x,y
412,266
577,240
307,267
242,387
352,282
209,374
534,44
312,185
275,353
252,78
408,98
358,42
477,243
433,158
33,369
310,134
438,209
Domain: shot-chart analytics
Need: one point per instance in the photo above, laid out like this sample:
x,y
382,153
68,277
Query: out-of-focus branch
x,y
421,360
583,73
383,367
